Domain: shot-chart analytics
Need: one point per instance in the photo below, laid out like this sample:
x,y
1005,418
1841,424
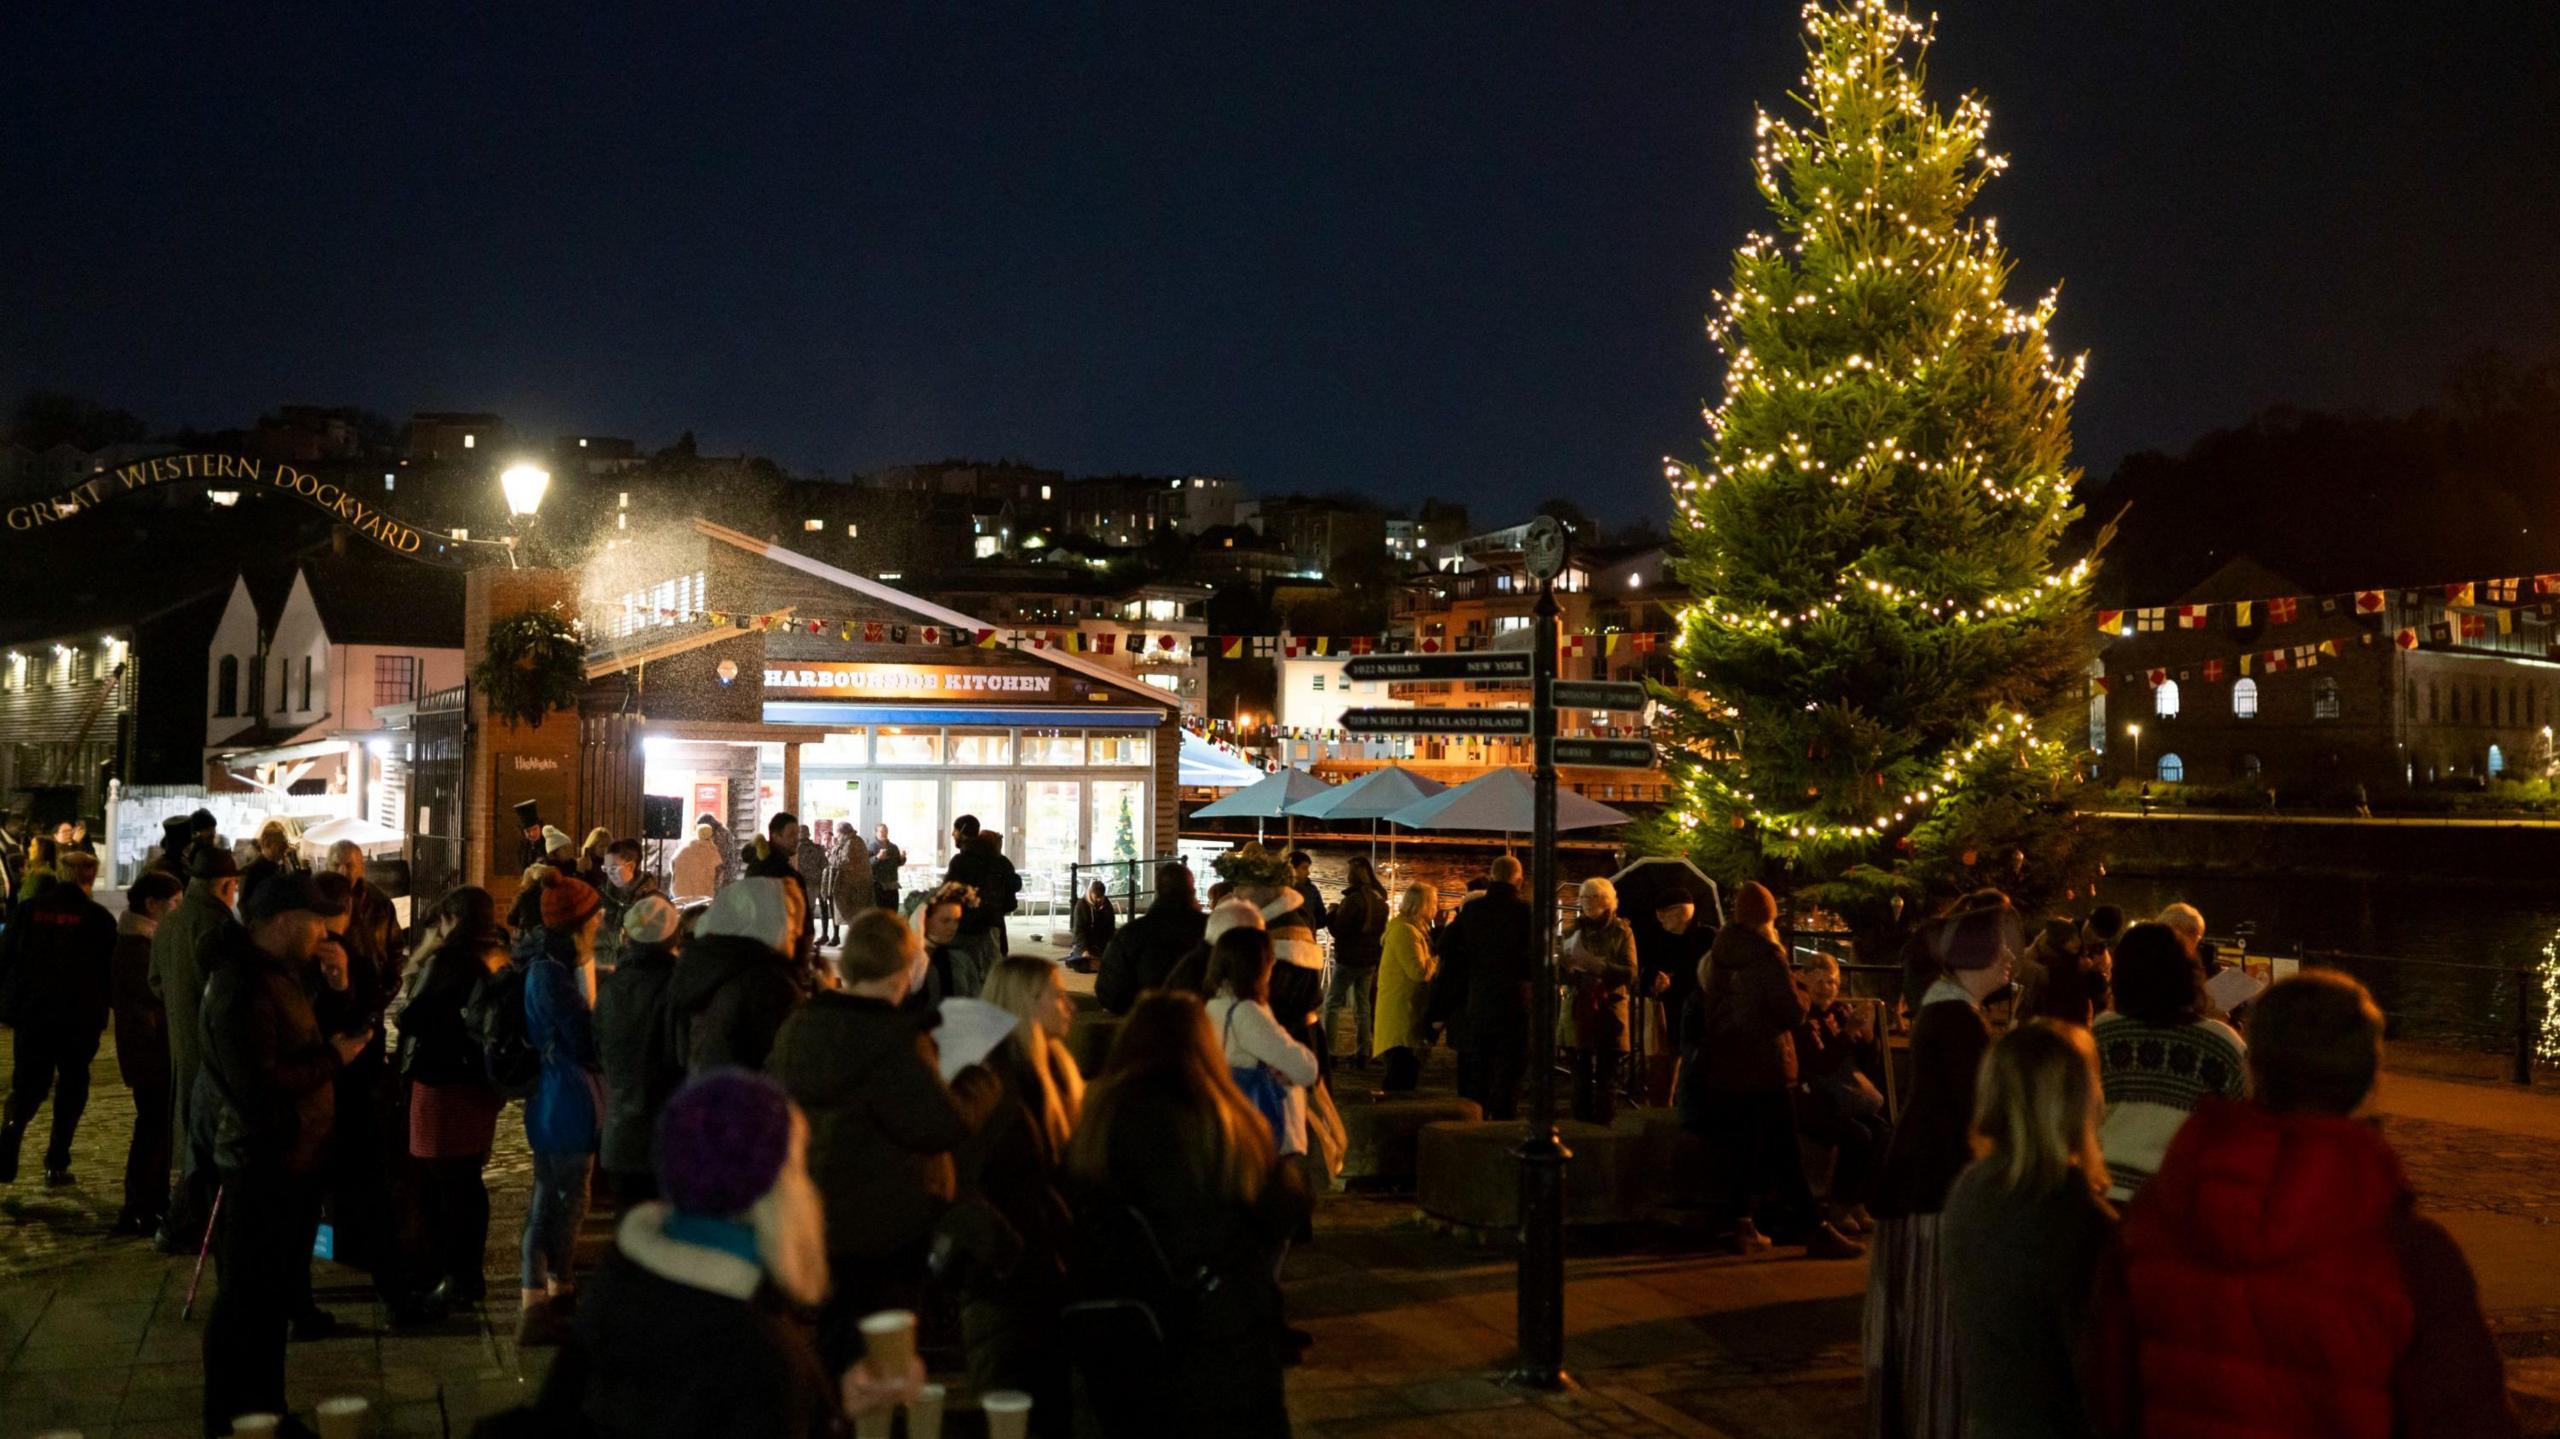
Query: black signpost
x,y
1596,694
1542,1154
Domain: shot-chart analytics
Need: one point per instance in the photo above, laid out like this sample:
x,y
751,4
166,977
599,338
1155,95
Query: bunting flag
x,y
2149,621
2241,611
2156,678
2111,622
2281,610
2506,622
2458,594
2368,602
2473,627
2503,592
1231,647
2191,617
2407,639
2213,672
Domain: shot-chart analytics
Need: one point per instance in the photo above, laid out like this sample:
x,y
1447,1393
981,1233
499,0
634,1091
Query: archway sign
x,y
233,470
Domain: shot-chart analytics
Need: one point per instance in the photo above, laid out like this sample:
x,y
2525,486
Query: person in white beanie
x,y
739,980
641,1065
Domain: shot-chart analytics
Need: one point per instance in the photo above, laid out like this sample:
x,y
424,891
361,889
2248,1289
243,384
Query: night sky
x,y
1460,248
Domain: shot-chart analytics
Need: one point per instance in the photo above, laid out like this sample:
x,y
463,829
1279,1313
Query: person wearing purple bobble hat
x,y
694,1326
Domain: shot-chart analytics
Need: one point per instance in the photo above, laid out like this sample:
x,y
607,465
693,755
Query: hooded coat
x,y
1146,949
2274,1279
695,872
642,1068
882,1125
738,981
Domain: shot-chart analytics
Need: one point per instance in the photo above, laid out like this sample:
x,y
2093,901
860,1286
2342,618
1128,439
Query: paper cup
x,y
875,1426
924,1413
889,1339
1008,1413
255,1426
348,1416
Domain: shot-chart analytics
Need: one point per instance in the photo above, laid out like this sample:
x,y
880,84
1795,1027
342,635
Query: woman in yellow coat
x,y
1405,968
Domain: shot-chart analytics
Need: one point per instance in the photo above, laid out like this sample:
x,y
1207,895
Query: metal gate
x,y
435,790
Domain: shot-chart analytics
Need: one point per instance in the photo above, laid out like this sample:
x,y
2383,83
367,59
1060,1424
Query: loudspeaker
x,y
661,816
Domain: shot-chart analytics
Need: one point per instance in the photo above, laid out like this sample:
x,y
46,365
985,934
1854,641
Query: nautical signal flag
x,y
2503,592
2156,678
2281,610
2460,594
2407,639
2213,672
2242,611
2368,602
2149,621
2111,622
2191,617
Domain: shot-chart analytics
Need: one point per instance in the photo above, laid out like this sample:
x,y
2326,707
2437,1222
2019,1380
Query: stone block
x,y
1089,1039
1384,1136
1469,1173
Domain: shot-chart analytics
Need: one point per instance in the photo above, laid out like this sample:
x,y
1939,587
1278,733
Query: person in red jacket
x,y
2274,1278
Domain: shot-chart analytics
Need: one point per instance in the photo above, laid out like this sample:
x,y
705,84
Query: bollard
x,y
2525,1034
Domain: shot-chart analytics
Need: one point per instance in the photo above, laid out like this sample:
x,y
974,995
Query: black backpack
x,y
494,1017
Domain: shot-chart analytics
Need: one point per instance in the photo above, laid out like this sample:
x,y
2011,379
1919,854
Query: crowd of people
x,y
2103,1211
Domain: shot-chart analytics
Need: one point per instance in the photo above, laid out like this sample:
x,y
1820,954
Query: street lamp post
x,y
2135,730
524,485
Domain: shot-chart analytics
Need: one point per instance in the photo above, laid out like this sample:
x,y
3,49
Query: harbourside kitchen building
x,y
733,678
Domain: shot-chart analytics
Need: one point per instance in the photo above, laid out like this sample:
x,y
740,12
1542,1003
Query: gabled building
x,y
301,660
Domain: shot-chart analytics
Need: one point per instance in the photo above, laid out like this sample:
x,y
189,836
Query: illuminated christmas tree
x,y
1884,658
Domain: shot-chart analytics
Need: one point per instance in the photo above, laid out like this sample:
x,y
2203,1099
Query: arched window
x,y
2497,761
2247,766
2324,700
2164,699
226,689
2244,699
2173,770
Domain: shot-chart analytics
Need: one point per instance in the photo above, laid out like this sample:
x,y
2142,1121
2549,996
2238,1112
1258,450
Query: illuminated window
x,y
852,531
471,442
2324,701
391,482
582,444
1318,683
1044,492
2244,699
2173,770
813,526
395,679
2164,699
625,500
985,547
622,522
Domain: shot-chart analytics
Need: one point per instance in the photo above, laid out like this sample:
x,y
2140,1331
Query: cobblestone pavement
x,y
1413,1328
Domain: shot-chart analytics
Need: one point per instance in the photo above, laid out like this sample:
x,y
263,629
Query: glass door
x,y
1119,819
1053,830
912,809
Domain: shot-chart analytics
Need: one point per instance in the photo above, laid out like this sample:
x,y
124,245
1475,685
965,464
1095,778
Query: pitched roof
x,y
2241,578
381,600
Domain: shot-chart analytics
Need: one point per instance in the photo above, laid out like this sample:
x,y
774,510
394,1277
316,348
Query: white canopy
x,y
364,832
1205,766
1504,800
1267,798
1375,795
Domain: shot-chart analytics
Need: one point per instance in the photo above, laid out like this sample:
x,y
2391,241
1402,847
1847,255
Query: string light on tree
x,y
1884,642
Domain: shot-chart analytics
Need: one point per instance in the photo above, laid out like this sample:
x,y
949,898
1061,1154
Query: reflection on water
x,y
2410,920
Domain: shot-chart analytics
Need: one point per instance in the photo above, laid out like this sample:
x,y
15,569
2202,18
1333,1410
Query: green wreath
x,y
1251,864
537,663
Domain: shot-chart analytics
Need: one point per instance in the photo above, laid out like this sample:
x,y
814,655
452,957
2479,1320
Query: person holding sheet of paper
x,y
2159,1056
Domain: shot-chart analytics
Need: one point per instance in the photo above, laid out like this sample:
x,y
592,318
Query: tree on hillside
x,y
1883,657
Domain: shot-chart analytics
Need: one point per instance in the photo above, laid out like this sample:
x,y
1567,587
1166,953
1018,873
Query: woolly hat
x,y
754,908
597,840
722,1142
567,902
554,839
649,920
